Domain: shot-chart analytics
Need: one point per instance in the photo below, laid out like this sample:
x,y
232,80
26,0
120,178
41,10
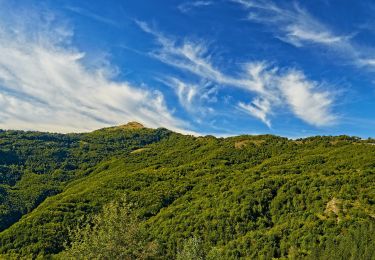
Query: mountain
x,y
245,197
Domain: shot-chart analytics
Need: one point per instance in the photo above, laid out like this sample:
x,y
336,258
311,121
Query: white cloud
x,y
91,15
294,25
191,96
194,58
291,90
367,62
306,102
45,85
189,56
186,7
270,88
186,93
259,108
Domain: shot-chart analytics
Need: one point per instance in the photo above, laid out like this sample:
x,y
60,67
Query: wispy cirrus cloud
x,y
295,25
187,6
91,15
193,96
259,108
270,86
45,84
305,100
292,91
189,56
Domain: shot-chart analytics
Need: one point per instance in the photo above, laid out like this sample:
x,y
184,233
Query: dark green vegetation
x,y
204,197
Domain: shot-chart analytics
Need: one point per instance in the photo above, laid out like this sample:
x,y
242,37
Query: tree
x,y
192,250
115,233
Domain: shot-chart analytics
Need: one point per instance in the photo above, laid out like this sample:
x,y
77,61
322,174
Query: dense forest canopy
x,y
186,197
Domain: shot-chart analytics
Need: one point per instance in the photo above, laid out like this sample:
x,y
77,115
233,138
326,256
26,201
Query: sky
x,y
223,67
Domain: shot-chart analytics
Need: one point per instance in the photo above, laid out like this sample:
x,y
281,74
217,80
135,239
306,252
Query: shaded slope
x,y
34,166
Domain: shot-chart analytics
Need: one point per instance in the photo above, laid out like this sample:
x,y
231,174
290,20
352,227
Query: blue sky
x,y
224,67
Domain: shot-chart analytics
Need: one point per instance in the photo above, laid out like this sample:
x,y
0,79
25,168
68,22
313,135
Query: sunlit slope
x,y
249,196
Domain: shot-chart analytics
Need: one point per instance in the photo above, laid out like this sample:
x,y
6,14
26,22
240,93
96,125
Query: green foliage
x,y
245,197
34,166
357,242
115,233
192,250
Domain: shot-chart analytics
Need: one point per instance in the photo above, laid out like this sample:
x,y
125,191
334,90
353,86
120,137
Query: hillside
x,y
245,197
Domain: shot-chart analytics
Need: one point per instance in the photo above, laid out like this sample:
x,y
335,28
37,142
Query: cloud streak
x,y
294,25
305,101
91,15
188,6
45,85
193,96
259,108
269,86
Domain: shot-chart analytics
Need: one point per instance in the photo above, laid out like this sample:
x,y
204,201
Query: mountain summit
x,y
133,125
129,125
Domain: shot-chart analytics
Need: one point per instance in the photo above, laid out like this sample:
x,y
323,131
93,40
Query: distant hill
x,y
244,197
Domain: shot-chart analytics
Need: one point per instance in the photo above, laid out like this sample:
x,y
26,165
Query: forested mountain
x,y
185,197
